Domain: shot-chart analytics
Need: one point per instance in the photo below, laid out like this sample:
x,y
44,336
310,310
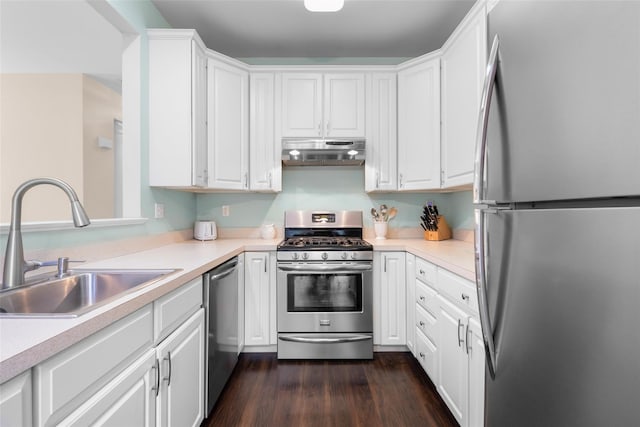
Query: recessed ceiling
x,y
284,28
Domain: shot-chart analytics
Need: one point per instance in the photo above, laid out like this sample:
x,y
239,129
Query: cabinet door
x,y
381,171
410,303
476,356
264,150
257,299
392,291
453,364
344,105
463,66
130,399
171,102
199,150
240,302
228,113
16,401
301,105
419,126
181,356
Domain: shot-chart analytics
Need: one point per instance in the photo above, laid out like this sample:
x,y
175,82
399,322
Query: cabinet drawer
x,y
173,309
426,297
427,354
426,323
460,291
426,272
67,379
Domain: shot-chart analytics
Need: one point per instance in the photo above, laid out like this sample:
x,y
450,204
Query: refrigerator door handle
x,y
481,283
481,136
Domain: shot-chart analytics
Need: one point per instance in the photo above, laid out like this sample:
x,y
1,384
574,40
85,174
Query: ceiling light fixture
x,y
323,5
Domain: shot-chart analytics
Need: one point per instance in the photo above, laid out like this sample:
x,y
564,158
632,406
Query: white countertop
x,y
26,342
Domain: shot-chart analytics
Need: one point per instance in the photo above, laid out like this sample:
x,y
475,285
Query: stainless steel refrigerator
x,y
557,210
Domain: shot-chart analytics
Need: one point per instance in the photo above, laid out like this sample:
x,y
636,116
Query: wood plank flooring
x,y
391,390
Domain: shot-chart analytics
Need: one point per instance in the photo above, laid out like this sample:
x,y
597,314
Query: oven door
x,y
325,297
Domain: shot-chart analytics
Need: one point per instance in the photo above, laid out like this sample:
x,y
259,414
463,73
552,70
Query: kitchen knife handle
x,y
483,121
481,285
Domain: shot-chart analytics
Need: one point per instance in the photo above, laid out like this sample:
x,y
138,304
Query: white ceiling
x,y
284,28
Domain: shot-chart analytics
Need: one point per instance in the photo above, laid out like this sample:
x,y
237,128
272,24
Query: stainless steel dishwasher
x,y
221,309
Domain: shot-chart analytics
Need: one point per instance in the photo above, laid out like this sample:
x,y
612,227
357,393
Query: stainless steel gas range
x,y
324,287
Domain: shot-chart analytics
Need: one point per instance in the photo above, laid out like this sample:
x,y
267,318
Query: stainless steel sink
x,y
82,291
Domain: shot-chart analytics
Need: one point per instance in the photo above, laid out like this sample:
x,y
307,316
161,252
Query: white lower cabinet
x,y
389,301
181,361
453,361
15,401
448,338
129,399
122,376
260,299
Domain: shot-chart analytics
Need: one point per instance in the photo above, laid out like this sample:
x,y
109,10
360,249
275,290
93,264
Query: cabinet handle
x,y
400,180
246,180
460,340
422,272
465,297
270,185
422,298
421,324
377,179
421,355
168,377
156,368
385,263
466,336
319,129
265,264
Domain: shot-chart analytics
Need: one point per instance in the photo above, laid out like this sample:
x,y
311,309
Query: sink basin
x,y
70,296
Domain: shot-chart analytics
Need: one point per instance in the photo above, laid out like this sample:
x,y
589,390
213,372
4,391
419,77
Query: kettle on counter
x,y
205,230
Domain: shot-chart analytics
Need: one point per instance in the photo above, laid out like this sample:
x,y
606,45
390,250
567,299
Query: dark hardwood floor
x,y
391,390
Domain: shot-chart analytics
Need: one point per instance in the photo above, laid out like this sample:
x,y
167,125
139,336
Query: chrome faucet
x,y
14,264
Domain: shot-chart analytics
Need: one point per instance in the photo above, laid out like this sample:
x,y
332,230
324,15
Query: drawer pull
x,y
422,298
421,324
422,272
421,355
465,297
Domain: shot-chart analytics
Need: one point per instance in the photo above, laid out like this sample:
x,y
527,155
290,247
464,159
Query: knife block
x,y
443,233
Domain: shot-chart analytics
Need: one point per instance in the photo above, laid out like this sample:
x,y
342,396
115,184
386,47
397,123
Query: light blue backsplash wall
x,y
329,188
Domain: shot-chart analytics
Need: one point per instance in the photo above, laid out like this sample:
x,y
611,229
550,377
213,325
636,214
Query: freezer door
x,y
563,288
564,119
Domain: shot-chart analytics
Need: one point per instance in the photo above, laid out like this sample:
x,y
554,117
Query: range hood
x,y
323,152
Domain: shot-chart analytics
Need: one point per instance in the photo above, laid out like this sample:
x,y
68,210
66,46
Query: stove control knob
x,y
344,255
305,255
325,255
294,255
354,255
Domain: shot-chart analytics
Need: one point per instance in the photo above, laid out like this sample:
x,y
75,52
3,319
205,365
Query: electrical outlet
x,y
159,210
225,210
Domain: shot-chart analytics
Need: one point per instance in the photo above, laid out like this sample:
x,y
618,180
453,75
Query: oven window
x,y
324,292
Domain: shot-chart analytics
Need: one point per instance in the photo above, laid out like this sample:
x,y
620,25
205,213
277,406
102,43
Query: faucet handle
x,y
62,263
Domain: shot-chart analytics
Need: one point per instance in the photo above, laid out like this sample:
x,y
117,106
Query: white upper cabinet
x,y
177,109
317,105
463,66
381,170
228,114
419,125
265,173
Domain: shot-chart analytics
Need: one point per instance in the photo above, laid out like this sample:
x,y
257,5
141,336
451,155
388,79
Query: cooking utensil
x,y
392,212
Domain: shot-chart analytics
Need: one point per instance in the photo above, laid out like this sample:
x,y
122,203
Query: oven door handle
x,y
325,340
325,267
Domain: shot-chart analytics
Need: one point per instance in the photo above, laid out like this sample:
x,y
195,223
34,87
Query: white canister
x,y
380,228
268,231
